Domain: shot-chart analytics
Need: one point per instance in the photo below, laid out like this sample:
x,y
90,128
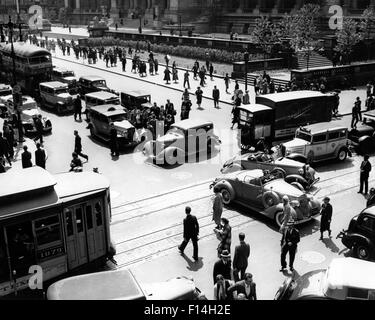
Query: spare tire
x,y
279,173
365,145
270,199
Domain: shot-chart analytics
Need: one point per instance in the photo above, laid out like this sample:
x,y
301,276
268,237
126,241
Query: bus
x,y
32,65
277,116
57,222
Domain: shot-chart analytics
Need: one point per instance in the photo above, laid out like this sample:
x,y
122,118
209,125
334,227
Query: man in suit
x,y
325,221
78,146
289,243
246,287
40,156
223,266
216,96
241,254
221,289
191,232
26,158
365,172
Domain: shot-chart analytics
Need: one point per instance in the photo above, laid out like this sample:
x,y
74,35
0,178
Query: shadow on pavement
x,y
331,245
326,166
192,265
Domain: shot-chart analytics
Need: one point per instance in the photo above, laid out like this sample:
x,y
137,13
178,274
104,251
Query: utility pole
x,y
180,20
246,58
140,24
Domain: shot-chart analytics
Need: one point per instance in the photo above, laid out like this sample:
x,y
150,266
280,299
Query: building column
x,y
66,3
256,10
277,6
241,7
113,4
78,4
354,5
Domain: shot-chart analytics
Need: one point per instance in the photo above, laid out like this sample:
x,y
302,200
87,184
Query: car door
x,y
251,191
319,146
366,227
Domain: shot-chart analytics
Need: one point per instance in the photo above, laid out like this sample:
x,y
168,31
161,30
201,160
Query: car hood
x,y
295,143
174,289
31,112
123,125
64,95
71,79
284,188
288,162
310,284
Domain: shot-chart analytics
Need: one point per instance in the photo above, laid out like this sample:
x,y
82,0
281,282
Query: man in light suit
x,y
241,255
246,287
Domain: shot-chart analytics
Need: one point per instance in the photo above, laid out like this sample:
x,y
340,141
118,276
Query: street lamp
x,y
246,58
180,20
140,24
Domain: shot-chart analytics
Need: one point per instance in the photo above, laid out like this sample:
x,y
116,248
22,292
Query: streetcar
x,y
58,222
32,65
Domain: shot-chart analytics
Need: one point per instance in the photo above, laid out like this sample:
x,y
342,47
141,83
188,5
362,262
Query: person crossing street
x,y
191,232
289,241
78,146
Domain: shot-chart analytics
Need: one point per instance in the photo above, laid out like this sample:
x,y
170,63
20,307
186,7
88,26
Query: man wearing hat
x,y
325,222
191,232
289,243
223,266
246,98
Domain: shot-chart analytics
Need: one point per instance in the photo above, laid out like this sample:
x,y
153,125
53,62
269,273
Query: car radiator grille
x,y
299,150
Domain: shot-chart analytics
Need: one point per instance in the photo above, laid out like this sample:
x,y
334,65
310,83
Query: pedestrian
x,y
368,89
355,117
211,70
325,221
202,76
156,63
358,105
151,66
289,241
227,82
40,156
245,287
236,86
167,75
191,232
240,259
225,236
78,146
217,209
8,134
175,74
114,141
186,79
199,95
186,96
235,116
123,61
216,96
185,110
287,213
195,71
26,158
365,172
4,148
76,163
223,266
169,108
78,109
167,58
221,287
39,129
246,98
116,26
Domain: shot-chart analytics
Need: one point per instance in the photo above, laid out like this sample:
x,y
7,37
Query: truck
x,y
277,116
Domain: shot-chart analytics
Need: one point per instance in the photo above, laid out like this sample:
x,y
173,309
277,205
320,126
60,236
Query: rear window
x,y
333,135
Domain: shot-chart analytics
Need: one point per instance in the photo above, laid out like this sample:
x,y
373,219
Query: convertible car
x,y
264,192
283,167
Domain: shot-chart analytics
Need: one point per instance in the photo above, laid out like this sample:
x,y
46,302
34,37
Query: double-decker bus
x,y
32,65
58,222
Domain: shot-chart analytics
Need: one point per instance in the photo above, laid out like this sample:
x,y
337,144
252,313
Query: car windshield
x,y
4,93
118,118
113,101
303,135
62,90
142,100
99,83
68,74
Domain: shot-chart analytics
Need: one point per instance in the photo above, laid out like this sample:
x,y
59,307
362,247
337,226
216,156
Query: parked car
x,y
363,137
264,192
344,279
100,98
5,90
122,285
135,99
102,116
55,96
319,142
360,235
68,77
185,139
29,112
89,84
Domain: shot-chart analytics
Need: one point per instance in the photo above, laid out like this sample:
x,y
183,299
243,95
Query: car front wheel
x,y
227,197
279,218
361,251
342,155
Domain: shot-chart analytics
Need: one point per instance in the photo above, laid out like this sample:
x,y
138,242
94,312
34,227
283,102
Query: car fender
x,y
296,178
341,148
232,168
354,238
224,184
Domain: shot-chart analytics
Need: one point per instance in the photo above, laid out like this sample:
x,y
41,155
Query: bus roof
x,y
103,95
25,50
253,108
291,95
108,285
191,124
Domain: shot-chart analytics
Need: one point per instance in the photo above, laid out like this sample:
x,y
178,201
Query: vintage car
x,y
344,279
89,84
55,96
136,99
5,90
319,142
185,139
362,137
102,116
264,192
360,236
68,77
29,112
122,285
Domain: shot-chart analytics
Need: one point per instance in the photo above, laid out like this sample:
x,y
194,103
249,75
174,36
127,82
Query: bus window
x,y
98,214
21,247
47,230
4,270
69,222
89,220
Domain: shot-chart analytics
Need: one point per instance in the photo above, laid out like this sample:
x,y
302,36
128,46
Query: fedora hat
x,y
225,254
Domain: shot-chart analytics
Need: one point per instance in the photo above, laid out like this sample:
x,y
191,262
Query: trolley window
x,y
89,220
98,214
79,220
47,230
4,270
69,222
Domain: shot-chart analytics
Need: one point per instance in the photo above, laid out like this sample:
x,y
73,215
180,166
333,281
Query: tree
x,y
367,23
303,30
265,35
348,37
286,26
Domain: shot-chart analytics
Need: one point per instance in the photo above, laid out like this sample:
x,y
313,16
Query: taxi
x,y
55,95
100,98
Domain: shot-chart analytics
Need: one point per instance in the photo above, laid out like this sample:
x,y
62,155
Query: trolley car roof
x,y
25,50
253,108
